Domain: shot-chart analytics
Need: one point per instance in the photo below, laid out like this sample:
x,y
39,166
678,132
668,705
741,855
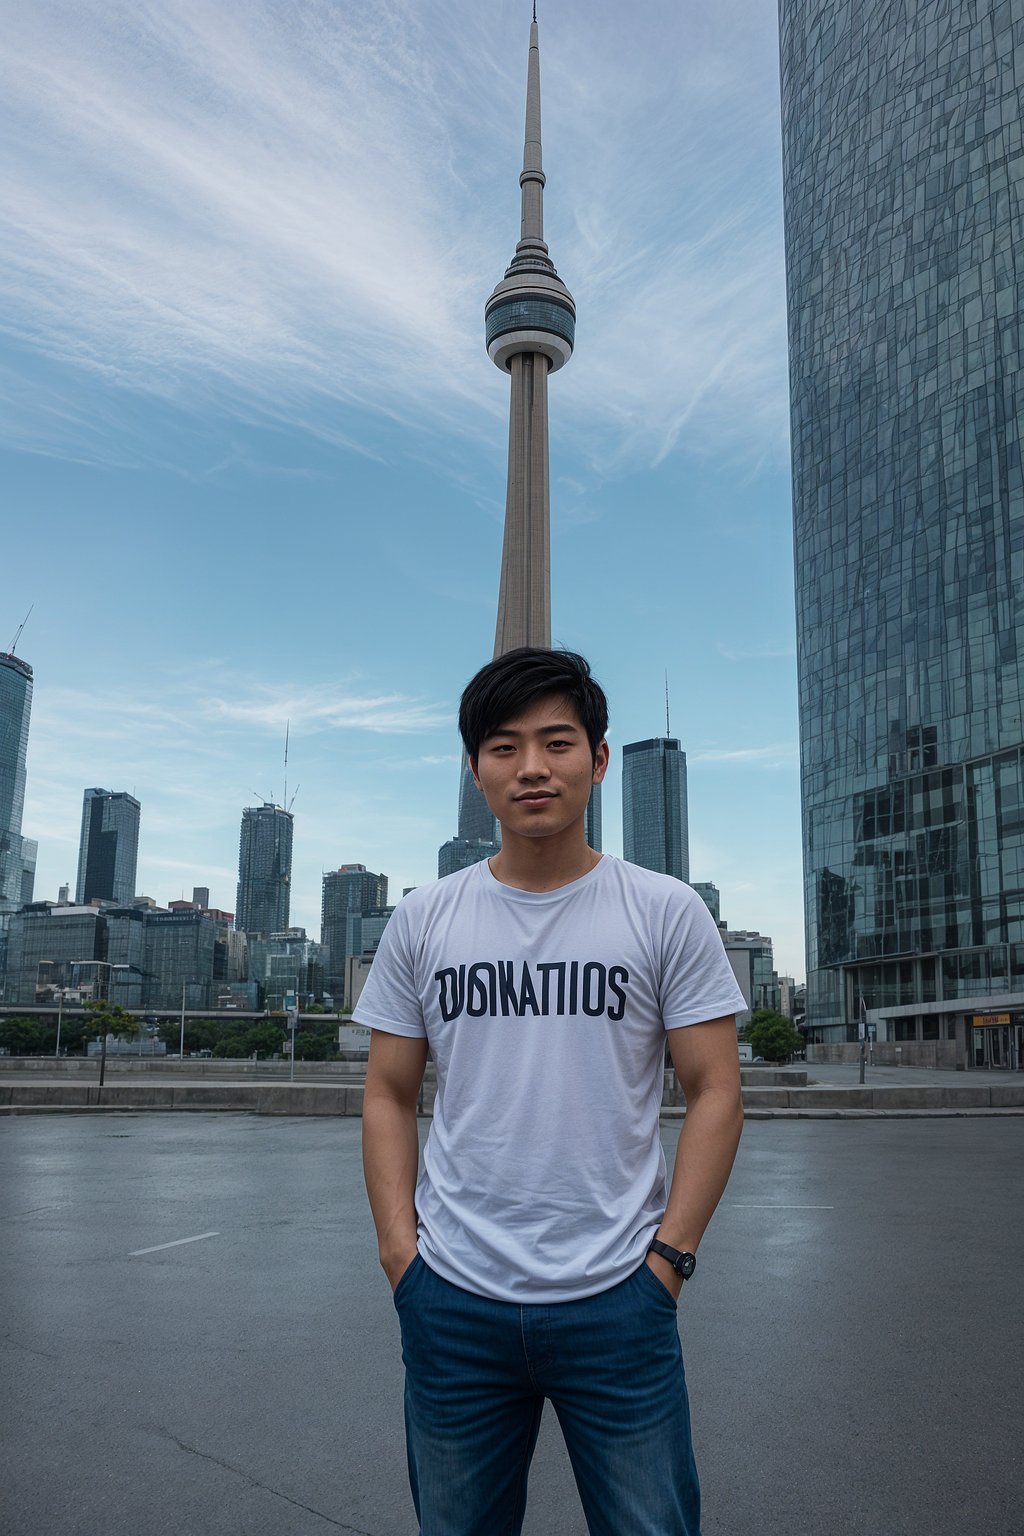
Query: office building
x,y
29,855
904,180
264,869
530,327
179,958
655,828
108,847
752,959
352,888
49,947
16,859
594,829
280,963
460,852
125,949
710,896
365,930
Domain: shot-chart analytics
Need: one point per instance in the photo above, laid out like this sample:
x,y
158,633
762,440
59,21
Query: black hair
x,y
507,686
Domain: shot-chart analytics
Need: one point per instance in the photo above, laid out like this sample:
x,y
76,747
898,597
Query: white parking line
x,y
737,1206
138,1252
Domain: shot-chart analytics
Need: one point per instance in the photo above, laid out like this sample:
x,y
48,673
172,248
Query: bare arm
x,y
707,1064
391,1147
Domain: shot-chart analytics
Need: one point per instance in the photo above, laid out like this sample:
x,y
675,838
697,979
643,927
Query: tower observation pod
x,y
530,323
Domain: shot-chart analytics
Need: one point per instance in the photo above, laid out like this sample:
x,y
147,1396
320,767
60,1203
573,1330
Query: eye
x,y
559,743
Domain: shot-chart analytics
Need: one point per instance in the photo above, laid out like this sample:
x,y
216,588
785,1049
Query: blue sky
x,y
253,450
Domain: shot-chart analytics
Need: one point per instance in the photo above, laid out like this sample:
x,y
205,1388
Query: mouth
x,y
534,798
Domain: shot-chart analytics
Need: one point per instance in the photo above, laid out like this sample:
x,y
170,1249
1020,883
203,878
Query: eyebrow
x,y
545,730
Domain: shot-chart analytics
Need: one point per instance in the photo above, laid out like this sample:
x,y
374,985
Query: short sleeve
x,y
697,981
389,1000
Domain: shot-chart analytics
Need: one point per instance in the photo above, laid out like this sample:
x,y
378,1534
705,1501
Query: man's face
x,y
536,771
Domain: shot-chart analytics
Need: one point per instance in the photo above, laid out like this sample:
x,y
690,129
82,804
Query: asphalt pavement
x,y
196,1337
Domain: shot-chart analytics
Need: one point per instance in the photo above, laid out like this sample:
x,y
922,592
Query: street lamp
x,y
60,1015
108,967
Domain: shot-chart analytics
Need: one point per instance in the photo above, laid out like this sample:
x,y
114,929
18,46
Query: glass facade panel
x,y
904,184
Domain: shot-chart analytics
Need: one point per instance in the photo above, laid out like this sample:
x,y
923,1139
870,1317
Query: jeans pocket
x,y
646,1272
407,1274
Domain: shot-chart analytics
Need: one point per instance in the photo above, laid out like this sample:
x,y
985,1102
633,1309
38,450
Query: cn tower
x,y
530,321
531,324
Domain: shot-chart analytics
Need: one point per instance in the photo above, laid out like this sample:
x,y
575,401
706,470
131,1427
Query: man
x,y
545,984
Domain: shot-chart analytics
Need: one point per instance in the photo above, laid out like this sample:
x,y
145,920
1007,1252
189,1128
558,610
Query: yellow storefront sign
x,y
989,1020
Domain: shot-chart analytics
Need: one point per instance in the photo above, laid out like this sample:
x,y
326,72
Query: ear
x,y
601,762
472,769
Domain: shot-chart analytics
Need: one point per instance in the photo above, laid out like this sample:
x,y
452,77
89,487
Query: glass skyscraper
x,y
108,848
593,821
264,869
352,888
904,191
15,710
655,827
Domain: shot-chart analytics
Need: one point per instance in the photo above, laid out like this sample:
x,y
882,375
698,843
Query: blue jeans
x,y
477,1375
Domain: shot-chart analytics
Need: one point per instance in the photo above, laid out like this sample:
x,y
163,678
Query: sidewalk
x,y
847,1075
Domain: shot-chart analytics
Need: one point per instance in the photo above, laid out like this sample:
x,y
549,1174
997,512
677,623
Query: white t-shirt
x,y
545,1012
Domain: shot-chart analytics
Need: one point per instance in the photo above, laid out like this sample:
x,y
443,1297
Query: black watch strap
x,y
684,1264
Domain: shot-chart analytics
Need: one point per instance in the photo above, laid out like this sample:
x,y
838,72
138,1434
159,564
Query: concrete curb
x,y
341,1101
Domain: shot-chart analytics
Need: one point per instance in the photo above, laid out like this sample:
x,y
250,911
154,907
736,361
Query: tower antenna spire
x,y
668,727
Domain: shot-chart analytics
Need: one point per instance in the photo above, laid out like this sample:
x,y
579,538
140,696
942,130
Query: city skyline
x,y
305,488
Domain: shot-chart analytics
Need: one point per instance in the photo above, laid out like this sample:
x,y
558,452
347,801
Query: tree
x,y
317,1041
200,1034
108,1018
772,1035
28,1037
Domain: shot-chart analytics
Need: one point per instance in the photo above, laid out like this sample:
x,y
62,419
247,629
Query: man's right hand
x,y
396,1268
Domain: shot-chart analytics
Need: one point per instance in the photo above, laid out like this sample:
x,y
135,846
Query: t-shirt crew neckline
x,y
536,898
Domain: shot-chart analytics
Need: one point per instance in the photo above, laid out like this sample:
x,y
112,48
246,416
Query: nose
x,y
532,764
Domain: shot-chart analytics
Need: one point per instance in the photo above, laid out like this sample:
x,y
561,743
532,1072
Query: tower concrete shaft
x,y
524,596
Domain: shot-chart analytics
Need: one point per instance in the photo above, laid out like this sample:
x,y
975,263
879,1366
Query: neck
x,y
544,863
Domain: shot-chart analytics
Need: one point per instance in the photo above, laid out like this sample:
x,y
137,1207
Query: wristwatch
x,y
684,1264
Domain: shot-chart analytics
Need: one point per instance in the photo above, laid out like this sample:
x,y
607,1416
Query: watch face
x,y
687,1265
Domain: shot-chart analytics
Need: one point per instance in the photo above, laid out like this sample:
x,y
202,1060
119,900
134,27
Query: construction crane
x,y
21,626
286,802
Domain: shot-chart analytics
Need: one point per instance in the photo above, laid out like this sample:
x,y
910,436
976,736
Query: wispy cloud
x,y
781,755
292,215
328,708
